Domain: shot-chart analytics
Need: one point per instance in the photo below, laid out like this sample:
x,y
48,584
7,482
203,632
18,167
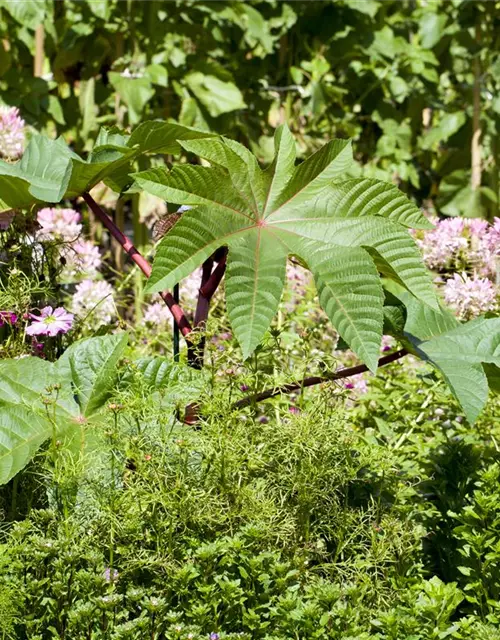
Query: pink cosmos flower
x,y
50,323
58,224
11,133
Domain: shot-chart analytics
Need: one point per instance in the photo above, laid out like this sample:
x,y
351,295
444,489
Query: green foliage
x,y
305,210
50,171
315,524
40,399
395,77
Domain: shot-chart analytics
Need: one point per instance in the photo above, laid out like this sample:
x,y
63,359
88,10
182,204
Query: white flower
x,y
93,300
158,314
11,133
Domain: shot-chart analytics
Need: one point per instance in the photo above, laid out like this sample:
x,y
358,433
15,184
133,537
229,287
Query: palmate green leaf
x,y
460,354
345,230
49,171
466,354
91,365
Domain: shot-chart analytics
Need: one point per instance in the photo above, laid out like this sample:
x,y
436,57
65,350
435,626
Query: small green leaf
x,y
135,93
216,95
92,367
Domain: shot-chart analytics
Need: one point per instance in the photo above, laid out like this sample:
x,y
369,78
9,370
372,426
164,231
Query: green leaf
x,y
158,74
25,383
92,367
42,174
157,136
459,354
345,230
422,322
176,381
22,432
29,13
50,172
431,28
99,8
366,197
281,170
216,95
449,124
256,277
350,292
135,93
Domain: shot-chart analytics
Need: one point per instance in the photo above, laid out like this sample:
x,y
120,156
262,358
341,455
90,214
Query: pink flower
x,y
82,259
11,133
357,383
7,317
460,243
50,322
388,343
470,297
58,224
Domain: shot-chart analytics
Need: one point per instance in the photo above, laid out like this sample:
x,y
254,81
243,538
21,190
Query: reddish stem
x,y
210,287
313,380
176,310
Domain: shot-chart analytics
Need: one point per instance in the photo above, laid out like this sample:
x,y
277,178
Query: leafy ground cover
x,y
248,389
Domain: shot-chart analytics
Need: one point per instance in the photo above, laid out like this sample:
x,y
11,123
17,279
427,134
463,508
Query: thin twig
x,y
175,309
313,380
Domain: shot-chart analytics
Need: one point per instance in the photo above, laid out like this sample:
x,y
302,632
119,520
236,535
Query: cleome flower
x,y
94,299
58,224
50,323
458,243
157,314
12,136
82,259
470,297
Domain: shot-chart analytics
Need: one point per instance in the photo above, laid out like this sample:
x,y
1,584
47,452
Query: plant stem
x,y
176,327
313,380
210,281
476,119
176,310
213,282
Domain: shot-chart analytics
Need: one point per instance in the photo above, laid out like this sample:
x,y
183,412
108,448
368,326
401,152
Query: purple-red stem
x,y
210,287
176,310
313,380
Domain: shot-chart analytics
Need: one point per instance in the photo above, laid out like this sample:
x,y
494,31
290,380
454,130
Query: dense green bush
x,y
317,524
